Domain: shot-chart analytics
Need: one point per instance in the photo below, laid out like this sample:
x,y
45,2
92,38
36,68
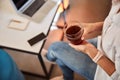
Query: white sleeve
x,y
116,74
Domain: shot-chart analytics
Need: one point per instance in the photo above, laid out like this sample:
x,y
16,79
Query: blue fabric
x,y
8,68
70,60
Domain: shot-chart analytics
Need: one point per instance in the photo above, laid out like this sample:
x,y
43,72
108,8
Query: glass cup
x,y
74,33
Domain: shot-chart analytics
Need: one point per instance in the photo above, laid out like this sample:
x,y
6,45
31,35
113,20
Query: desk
x,y
16,39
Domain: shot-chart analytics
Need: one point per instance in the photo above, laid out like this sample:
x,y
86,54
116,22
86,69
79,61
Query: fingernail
x,y
82,38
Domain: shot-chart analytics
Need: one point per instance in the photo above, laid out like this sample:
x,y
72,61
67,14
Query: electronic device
x,y
36,39
35,10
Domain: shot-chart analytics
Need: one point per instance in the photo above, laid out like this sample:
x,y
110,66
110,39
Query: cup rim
x,y
75,24
79,36
81,30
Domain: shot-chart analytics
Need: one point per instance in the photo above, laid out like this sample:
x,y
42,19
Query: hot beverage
x,y
74,34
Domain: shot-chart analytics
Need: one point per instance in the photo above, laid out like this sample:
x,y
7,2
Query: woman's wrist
x,y
91,51
94,53
98,56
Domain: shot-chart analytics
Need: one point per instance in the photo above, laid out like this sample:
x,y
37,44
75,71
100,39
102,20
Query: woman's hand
x,y
86,48
82,47
92,30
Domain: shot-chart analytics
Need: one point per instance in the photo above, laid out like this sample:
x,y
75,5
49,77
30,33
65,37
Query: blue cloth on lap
x,y
8,68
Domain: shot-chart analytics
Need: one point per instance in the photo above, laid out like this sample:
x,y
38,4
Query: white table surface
x,y
17,39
